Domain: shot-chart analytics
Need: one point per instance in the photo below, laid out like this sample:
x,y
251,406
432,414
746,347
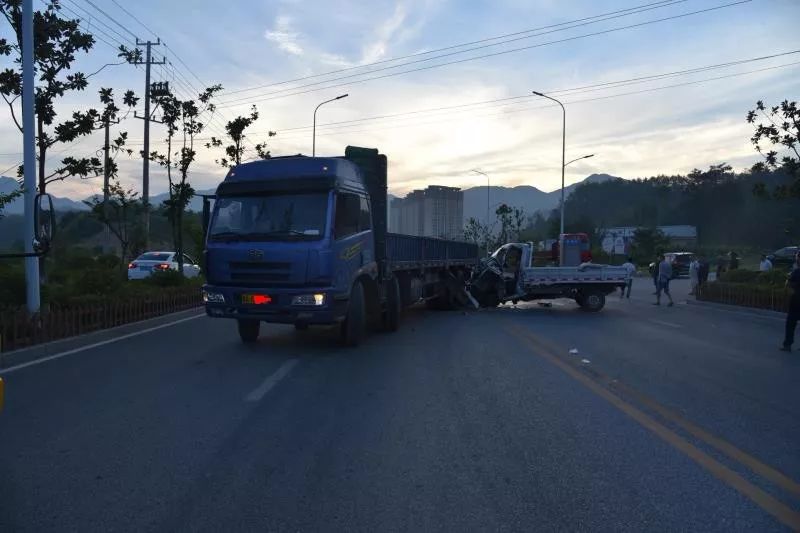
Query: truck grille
x,y
260,271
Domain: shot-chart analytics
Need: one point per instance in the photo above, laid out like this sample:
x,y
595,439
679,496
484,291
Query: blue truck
x,y
303,240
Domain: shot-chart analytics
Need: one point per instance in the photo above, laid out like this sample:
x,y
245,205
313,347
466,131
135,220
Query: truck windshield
x,y
270,217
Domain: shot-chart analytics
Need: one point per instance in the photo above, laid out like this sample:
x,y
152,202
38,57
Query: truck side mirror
x,y
44,220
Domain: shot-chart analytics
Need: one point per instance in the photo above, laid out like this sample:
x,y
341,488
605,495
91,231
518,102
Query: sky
x,y
442,121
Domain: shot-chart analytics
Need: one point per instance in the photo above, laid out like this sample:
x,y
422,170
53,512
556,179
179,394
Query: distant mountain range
x,y
527,197
62,204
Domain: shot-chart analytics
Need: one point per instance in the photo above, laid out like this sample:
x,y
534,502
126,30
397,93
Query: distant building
x,y
618,240
433,212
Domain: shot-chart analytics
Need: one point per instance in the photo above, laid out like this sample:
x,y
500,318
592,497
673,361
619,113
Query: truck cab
x,y
286,241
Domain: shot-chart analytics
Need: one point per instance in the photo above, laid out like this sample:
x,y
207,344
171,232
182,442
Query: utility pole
x,y
107,172
29,166
146,155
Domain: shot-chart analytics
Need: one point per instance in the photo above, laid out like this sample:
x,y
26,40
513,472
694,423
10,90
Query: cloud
x,y
376,50
282,35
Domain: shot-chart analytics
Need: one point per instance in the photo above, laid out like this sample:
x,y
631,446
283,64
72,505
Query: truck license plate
x,y
256,299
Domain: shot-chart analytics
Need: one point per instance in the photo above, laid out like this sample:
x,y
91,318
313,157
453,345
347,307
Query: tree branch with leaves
x,y
236,132
184,122
777,129
57,44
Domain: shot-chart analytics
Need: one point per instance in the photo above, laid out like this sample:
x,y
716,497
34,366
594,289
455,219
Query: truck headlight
x,y
309,299
213,297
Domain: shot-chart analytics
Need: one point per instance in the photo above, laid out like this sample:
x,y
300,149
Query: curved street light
x,y
578,159
314,134
482,173
563,166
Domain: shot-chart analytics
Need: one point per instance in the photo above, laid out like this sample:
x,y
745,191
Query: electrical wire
x,y
573,90
278,94
530,108
662,3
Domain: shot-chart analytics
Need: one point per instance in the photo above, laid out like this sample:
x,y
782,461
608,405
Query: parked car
x,y
784,257
149,262
680,263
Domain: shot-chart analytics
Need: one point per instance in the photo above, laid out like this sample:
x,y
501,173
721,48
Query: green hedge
x,y
773,278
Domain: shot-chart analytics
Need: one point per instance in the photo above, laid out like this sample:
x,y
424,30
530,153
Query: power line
x,y
112,19
276,94
573,90
131,15
89,29
530,108
98,22
662,3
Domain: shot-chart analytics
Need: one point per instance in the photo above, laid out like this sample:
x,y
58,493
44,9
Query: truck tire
x,y
354,323
248,329
391,314
592,301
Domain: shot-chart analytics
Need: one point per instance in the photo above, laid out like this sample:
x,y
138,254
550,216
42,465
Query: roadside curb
x,y
762,313
31,353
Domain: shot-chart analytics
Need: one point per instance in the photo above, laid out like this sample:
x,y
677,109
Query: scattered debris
x,y
585,361
573,351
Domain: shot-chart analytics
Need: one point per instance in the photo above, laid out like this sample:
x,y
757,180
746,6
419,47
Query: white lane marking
x,y
272,380
665,323
94,345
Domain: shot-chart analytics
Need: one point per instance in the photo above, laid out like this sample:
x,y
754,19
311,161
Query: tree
x,y
57,43
646,243
186,118
120,214
7,198
118,206
235,130
780,132
478,233
511,220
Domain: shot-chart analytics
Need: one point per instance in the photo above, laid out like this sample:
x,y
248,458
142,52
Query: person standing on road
x,y
793,315
733,263
654,273
765,265
631,269
704,267
720,266
694,275
664,270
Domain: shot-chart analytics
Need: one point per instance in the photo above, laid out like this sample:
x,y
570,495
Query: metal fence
x,y
774,299
19,329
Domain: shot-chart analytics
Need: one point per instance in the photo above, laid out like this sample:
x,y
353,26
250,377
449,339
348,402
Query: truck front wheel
x,y
592,301
355,321
249,329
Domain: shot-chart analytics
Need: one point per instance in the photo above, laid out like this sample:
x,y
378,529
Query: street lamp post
x,y
563,166
482,173
314,134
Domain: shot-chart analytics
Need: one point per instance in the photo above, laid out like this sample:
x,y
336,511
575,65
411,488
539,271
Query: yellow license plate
x,y
256,299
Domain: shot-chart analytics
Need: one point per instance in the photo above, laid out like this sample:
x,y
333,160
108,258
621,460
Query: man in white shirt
x,y
765,265
631,268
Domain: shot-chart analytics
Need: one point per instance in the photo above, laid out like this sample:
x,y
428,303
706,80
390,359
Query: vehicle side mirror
x,y
44,220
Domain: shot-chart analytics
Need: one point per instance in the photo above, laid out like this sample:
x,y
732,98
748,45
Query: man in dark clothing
x,y
703,271
794,305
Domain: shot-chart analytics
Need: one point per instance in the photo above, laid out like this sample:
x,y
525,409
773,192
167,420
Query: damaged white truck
x,y
508,275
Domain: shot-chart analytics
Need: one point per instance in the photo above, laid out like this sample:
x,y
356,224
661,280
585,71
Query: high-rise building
x,y
437,211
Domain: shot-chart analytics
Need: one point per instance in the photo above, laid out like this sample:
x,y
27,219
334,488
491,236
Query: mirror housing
x,y
44,220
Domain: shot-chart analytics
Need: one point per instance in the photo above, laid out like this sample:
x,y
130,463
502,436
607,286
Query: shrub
x,y
740,276
776,278
165,278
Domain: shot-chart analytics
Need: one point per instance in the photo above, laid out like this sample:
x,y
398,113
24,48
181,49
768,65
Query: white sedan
x,y
149,262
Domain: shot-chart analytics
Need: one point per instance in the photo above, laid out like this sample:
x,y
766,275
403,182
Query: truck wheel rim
x,y
593,301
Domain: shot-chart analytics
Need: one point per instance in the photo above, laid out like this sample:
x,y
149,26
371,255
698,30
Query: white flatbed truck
x,y
508,275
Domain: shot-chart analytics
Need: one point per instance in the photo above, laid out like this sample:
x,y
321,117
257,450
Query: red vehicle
x,y
577,249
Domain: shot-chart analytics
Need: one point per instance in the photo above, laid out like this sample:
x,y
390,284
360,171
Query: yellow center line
x,y
767,502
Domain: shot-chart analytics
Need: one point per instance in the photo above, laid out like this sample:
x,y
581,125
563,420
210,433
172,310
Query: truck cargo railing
x,y
588,274
408,251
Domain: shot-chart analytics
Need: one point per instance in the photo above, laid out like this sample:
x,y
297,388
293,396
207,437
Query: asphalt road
x,y
661,419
